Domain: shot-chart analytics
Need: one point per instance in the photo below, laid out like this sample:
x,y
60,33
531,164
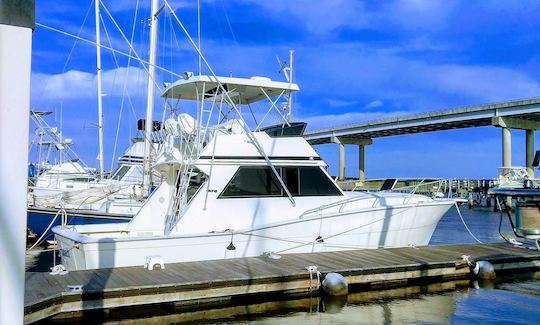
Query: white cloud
x,y
75,84
341,102
403,82
373,104
349,75
338,103
320,17
325,16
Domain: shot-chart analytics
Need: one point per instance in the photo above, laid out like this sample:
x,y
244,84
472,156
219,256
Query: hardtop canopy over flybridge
x,y
242,91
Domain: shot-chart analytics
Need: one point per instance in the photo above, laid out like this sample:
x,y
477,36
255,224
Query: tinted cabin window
x,y
261,182
253,182
313,181
290,177
119,174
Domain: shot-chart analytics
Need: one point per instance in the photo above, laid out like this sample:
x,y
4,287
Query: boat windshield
x,y
260,181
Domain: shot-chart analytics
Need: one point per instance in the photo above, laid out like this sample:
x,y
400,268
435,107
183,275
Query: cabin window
x,y
195,183
252,182
291,180
196,180
314,182
261,182
120,173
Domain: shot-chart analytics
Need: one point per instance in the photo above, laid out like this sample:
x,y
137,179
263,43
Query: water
x,y
483,222
511,300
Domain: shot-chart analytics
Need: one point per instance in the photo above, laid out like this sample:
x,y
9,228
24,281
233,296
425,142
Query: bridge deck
x,y
466,117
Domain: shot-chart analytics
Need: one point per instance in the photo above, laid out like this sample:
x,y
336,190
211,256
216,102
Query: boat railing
x,y
341,204
438,187
432,187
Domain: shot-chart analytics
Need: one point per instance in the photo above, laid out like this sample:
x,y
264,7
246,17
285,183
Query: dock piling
x,y
16,25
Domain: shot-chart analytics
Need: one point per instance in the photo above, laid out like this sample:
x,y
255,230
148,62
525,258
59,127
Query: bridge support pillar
x,y
529,151
507,155
361,162
506,147
341,171
361,142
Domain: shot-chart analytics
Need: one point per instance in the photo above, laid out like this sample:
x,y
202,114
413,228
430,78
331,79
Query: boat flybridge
x,y
228,191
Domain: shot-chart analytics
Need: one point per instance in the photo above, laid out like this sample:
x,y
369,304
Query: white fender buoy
x,y
335,284
484,270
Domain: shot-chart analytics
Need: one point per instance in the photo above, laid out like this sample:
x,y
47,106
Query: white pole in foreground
x,y
149,125
99,94
16,24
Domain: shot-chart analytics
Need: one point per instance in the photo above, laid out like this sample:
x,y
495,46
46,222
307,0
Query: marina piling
x,y
16,25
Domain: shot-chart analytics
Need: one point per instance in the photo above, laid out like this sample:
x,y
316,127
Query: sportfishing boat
x,y
228,191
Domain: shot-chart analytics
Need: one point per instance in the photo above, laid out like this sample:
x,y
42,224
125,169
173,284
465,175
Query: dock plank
x,y
48,295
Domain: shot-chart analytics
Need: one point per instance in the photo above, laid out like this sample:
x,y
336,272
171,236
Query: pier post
x,y
361,162
16,25
529,152
341,172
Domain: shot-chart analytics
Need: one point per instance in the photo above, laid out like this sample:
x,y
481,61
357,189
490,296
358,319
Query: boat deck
x,y
197,283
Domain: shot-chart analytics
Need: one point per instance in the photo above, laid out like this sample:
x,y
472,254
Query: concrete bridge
x,y
521,114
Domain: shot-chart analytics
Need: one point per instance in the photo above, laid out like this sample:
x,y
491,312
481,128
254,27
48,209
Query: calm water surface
x,y
512,299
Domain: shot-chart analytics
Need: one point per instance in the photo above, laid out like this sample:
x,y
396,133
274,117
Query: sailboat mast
x,y
99,93
150,93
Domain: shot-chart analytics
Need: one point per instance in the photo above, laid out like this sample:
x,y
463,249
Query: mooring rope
x,y
465,224
62,212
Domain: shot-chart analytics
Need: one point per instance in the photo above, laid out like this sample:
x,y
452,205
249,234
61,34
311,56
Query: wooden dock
x,y
220,281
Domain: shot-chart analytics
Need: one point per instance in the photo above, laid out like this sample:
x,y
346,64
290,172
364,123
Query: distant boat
x,y
85,198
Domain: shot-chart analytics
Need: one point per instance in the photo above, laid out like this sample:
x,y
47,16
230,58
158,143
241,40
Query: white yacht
x,y
71,187
230,192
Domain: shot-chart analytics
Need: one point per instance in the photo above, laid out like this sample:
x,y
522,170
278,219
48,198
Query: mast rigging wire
x,y
141,61
124,90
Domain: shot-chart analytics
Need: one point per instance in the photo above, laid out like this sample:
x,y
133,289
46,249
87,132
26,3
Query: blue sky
x,y
354,61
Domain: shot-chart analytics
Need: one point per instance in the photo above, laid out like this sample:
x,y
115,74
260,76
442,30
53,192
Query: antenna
x,y
283,67
287,70
290,79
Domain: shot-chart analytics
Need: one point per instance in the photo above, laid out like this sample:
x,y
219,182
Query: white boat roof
x,y
234,146
241,90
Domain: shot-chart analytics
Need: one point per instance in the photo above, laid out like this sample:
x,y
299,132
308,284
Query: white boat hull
x,y
396,226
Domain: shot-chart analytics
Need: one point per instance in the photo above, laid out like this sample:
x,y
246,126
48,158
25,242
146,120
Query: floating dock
x,y
213,282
